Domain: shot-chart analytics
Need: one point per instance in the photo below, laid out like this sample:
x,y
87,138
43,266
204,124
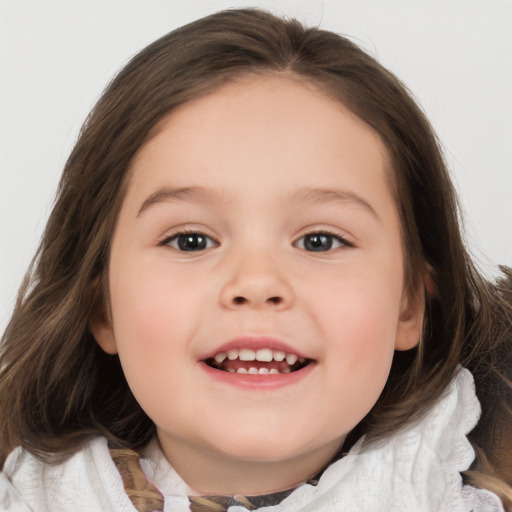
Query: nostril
x,y
242,300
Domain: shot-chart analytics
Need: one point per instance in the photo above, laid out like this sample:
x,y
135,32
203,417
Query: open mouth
x,y
264,361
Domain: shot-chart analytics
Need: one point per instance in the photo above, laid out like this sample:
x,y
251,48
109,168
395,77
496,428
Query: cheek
x,y
153,318
362,299
149,298
360,353
153,322
362,335
359,322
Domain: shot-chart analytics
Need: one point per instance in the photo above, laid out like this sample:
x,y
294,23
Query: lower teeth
x,y
261,371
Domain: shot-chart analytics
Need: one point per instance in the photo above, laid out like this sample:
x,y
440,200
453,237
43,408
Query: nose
x,y
255,281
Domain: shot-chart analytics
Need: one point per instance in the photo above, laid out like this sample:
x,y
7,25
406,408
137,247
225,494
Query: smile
x,y
264,361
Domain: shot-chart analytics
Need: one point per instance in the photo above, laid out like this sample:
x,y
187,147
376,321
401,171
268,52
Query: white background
x,y
57,56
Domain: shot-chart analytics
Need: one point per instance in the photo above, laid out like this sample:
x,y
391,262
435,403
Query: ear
x,y
101,329
100,324
430,285
410,322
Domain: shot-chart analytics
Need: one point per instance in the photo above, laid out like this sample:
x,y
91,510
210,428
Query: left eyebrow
x,y
324,195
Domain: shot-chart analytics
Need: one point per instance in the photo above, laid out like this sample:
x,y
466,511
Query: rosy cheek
x,y
154,306
359,318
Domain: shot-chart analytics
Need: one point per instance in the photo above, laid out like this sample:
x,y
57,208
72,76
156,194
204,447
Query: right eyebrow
x,y
166,194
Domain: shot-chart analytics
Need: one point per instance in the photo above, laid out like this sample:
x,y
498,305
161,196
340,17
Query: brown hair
x,y
58,388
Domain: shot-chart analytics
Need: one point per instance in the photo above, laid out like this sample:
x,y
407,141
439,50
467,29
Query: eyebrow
x,y
324,195
305,195
166,194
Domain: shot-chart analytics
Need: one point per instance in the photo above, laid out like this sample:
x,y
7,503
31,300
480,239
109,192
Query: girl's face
x,y
258,223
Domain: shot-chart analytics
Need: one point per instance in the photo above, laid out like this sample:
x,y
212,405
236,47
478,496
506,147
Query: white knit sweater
x,y
417,470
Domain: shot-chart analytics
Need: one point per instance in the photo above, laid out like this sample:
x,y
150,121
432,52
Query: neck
x,y
208,473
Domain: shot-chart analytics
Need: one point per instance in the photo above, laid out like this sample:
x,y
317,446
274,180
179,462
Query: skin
x,y
251,147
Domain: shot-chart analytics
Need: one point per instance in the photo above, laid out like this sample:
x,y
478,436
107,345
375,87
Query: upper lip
x,y
254,343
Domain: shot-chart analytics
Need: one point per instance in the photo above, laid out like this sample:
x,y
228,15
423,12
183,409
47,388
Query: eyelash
x,y
326,233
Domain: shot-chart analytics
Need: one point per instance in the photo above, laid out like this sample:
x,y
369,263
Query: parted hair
x,y
58,388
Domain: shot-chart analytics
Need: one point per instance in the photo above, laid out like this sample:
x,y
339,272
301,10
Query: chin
x,y
266,450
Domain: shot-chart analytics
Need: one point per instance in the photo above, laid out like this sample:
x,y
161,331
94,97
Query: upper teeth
x,y
263,354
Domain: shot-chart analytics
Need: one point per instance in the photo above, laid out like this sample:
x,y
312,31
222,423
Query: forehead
x,y
271,129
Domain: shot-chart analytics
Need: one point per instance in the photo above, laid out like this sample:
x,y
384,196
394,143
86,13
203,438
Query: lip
x,y
257,382
254,343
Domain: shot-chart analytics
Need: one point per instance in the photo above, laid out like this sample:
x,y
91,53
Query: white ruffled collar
x,y
417,469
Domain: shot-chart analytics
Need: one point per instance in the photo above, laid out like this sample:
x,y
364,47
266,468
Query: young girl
x,y
252,293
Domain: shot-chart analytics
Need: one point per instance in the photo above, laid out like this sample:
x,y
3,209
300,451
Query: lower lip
x,y
257,381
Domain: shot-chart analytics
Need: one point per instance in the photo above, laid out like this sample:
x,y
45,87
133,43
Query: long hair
x,y
58,388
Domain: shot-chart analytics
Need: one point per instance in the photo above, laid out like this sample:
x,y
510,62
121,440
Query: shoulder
x,y
87,481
